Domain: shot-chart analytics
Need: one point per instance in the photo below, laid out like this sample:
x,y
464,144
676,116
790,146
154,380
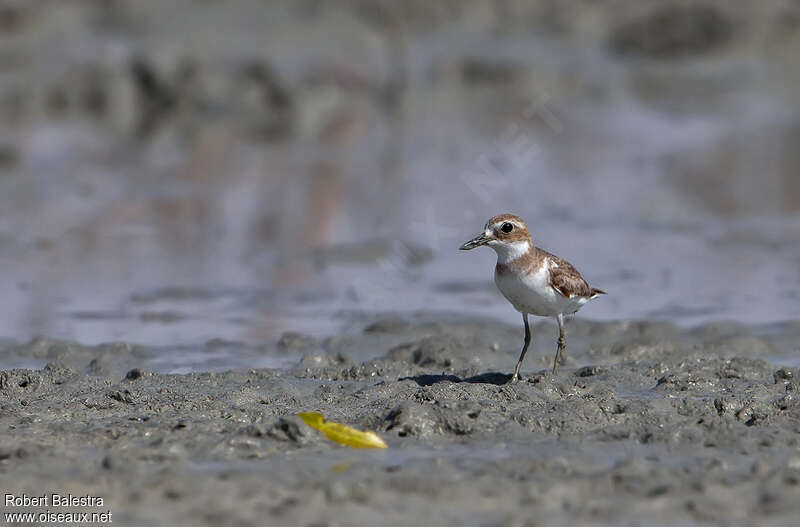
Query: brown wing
x,y
567,280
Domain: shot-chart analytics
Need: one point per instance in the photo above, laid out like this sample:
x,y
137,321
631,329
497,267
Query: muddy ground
x,y
644,424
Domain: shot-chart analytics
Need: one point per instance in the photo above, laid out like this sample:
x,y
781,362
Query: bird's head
x,y
507,234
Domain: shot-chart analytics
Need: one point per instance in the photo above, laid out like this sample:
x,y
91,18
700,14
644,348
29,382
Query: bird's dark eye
x,y
506,227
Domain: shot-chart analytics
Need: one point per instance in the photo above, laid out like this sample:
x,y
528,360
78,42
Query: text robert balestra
x,y
52,500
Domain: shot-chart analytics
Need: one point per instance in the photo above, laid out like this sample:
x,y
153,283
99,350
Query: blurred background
x,y
179,173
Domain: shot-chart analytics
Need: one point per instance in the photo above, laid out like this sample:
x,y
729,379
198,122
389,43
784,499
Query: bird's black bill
x,y
477,241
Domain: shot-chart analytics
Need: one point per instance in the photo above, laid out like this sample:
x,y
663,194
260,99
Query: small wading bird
x,y
534,281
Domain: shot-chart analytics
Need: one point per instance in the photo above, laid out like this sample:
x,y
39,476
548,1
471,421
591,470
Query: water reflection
x,y
248,199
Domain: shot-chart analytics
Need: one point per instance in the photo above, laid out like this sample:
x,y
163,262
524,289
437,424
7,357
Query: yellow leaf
x,y
342,434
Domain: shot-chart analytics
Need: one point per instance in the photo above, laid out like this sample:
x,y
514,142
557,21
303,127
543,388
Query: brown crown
x,y
519,232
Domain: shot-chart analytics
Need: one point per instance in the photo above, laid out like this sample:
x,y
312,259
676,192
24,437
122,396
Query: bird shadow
x,y
496,378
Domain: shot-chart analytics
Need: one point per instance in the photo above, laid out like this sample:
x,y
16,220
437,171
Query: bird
x,y
534,281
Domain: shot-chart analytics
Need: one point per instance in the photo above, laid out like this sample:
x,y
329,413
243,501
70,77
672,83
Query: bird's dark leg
x,y
515,377
562,343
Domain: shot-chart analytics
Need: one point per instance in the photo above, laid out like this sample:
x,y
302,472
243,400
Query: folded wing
x,y
565,279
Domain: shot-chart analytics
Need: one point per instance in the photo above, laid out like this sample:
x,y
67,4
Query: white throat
x,y
508,252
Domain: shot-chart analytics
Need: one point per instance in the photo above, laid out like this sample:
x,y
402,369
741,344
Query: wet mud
x,y
645,423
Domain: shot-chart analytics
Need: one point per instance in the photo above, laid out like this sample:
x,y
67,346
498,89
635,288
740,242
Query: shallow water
x,y
683,207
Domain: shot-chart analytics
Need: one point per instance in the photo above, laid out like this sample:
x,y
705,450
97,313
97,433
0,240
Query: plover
x,y
534,281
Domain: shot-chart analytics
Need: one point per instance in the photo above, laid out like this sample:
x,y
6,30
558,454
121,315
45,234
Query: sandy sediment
x,y
644,422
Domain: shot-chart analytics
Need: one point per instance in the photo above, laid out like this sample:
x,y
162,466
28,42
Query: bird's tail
x,y
596,292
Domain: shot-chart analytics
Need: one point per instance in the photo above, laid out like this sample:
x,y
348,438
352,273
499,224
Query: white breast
x,y
532,293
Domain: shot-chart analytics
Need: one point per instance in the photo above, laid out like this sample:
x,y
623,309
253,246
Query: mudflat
x,y
646,423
